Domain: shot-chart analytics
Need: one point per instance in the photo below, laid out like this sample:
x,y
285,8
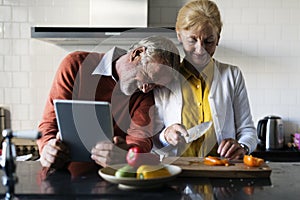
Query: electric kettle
x,y
270,132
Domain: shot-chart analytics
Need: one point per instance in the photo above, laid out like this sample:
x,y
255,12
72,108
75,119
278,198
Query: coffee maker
x,y
270,133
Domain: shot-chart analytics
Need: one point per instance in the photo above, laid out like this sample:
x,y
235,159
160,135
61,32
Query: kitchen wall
x,y
260,36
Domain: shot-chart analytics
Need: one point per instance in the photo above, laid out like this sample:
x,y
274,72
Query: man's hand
x,y
55,154
106,152
174,134
231,149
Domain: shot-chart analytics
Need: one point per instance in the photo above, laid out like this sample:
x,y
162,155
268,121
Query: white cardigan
x,y
228,101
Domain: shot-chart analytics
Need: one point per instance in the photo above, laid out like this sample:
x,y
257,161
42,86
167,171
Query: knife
x,y
197,131
193,134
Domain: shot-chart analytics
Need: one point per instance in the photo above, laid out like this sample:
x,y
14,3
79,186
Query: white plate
x,y
108,174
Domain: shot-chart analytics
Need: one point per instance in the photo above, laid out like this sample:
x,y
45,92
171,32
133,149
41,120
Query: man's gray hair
x,y
159,47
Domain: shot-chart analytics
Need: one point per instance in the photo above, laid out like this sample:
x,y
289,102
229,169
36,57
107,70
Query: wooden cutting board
x,y
194,167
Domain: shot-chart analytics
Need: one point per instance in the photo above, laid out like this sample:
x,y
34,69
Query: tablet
x,y
82,124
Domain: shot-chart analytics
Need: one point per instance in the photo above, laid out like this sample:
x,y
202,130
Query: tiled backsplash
x,y
260,36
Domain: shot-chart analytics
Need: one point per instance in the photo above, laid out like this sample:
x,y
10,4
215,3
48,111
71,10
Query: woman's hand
x,y
231,149
174,134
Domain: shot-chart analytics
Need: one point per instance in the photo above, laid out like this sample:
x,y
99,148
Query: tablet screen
x,y
82,124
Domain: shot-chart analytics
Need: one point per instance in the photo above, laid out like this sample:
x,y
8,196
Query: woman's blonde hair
x,y
195,14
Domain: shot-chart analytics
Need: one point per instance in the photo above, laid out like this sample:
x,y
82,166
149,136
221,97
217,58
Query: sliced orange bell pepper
x,y
251,161
215,161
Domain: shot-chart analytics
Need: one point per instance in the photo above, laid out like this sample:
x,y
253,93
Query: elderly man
x,y
123,78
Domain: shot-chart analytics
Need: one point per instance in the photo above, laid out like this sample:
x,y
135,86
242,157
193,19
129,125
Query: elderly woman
x,y
210,91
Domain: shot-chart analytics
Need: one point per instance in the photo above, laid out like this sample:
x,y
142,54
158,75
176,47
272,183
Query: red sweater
x,y
74,80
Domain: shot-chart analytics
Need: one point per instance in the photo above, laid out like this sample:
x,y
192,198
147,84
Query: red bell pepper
x,y
135,158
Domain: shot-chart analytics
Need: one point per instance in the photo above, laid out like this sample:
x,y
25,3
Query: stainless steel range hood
x,y
108,20
96,35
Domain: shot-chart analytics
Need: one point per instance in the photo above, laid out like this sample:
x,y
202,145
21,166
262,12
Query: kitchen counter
x,y
285,155
35,184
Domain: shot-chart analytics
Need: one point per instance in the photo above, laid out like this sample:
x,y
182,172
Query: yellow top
x,y
196,110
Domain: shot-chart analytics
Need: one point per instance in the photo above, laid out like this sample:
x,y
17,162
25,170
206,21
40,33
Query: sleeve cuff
x,y
162,139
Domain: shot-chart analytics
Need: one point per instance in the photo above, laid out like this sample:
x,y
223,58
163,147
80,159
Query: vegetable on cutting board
x,y
251,161
215,161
